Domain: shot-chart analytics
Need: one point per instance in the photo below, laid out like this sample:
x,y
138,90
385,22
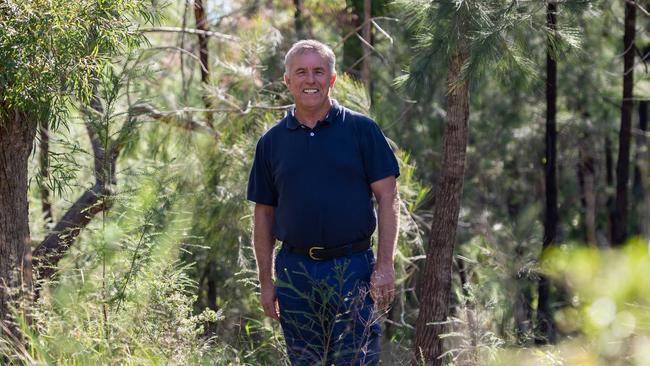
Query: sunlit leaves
x,y
52,50
611,294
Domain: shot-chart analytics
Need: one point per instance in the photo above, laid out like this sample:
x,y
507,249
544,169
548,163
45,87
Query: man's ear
x,y
286,79
332,80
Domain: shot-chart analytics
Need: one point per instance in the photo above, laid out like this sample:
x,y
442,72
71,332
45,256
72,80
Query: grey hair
x,y
310,45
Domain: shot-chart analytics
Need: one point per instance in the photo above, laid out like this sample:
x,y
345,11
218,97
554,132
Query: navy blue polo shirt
x,y
319,179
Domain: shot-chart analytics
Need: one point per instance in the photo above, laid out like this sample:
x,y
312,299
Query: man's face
x,y
309,80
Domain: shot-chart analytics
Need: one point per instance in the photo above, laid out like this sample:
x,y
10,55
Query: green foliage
x,y
122,297
52,50
607,311
492,32
177,239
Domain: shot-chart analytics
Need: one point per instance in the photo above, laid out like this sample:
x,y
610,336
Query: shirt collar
x,y
331,117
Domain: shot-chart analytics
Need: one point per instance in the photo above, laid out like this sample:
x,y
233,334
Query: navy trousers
x,y
326,312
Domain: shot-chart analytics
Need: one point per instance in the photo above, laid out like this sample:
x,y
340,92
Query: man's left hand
x,y
382,286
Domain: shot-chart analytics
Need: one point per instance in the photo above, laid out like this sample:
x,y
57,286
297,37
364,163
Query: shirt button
x,y
311,134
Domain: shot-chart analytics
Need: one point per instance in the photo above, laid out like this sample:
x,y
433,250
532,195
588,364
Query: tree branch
x,y
638,6
53,248
223,36
357,29
175,118
97,199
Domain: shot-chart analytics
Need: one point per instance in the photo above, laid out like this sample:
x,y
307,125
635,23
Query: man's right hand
x,y
269,300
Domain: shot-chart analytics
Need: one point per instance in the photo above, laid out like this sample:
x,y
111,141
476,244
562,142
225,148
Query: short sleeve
x,y
378,159
261,188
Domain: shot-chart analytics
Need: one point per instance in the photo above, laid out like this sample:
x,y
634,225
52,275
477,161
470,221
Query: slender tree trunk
x,y
522,307
365,65
640,167
435,281
299,19
17,132
545,324
208,292
44,165
523,311
202,24
619,229
641,163
609,181
587,181
352,47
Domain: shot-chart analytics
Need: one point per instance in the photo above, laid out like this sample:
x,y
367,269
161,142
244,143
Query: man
x,y
312,180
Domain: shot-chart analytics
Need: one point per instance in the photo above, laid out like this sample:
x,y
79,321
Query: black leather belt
x,y
321,253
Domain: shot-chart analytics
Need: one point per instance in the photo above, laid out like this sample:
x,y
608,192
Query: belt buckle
x,y
311,254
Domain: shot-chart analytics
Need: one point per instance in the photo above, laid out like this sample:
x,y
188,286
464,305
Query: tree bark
x,y
352,47
609,181
435,282
620,223
365,65
202,24
545,324
44,166
17,131
640,167
587,181
641,163
299,20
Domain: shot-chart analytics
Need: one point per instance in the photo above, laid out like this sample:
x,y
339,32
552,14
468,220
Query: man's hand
x,y
382,286
269,300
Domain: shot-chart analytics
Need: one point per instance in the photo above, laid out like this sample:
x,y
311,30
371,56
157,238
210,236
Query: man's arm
x,y
263,242
382,281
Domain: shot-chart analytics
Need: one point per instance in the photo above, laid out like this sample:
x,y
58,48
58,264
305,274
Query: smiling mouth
x,y
310,91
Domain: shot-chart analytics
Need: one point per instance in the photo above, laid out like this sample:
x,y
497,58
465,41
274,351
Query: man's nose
x,y
310,77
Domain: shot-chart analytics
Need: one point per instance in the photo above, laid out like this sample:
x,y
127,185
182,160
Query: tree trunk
x,y
619,228
545,324
202,24
365,65
609,181
299,20
17,131
352,47
641,163
435,282
44,166
522,307
587,181
523,311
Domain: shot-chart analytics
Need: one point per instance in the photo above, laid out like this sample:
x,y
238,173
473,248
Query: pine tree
x,y
471,37
620,221
545,323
